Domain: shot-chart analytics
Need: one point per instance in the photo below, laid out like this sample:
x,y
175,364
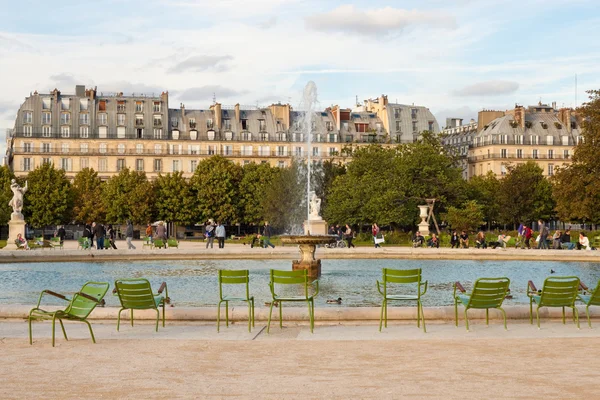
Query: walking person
x,y
349,235
110,232
88,234
129,235
149,232
528,233
220,234
375,232
267,235
520,237
543,244
60,233
161,231
98,230
209,232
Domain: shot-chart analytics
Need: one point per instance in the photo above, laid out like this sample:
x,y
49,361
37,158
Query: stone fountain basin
x,y
308,239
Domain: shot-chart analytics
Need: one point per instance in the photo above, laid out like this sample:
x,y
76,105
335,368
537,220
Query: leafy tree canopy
x,y
485,190
467,218
49,198
256,180
175,201
87,189
5,194
128,196
284,201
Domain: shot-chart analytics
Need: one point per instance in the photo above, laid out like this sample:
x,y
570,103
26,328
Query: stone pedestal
x,y
315,226
16,225
313,267
423,225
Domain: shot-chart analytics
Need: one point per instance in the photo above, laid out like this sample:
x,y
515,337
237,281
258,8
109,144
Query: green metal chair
x,y
80,306
299,278
107,243
558,291
83,243
172,243
233,277
592,298
56,243
147,242
136,294
159,243
487,293
402,276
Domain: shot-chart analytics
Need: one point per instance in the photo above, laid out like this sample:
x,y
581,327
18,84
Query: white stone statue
x,y
315,207
17,201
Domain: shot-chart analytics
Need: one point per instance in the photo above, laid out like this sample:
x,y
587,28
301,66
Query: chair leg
x,y
249,317
455,313
313,313
31,338
423,317
504,315
487,316
63,329
53,329
386,314
280,315
310,317
563,309
218,315
530,311
587,312
576,314
157,318
253,313
131,317
163,305
91,331
418,314
119,319
383,305
270,312
537,315
227,313
466,319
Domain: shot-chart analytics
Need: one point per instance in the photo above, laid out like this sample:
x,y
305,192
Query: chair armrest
x,y
459,286
379,287
163,287
423,284
316,282
60,296
582,286
100,302
531,288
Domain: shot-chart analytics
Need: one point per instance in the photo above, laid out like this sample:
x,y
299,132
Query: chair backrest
x,y
559,291
55,239
135,293
234,277
595,295
299,277
400,276
81,306
172,243
489,292
159,243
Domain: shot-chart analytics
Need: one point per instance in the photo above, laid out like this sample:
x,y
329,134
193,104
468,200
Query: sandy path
x,y
556,368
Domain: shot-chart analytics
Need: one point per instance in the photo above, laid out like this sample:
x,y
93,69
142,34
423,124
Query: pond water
x,y
194,283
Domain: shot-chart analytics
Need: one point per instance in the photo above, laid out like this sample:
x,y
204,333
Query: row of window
x,y
84,105
504,169
520,139
139,164
225,150
84,119
535,153
84,132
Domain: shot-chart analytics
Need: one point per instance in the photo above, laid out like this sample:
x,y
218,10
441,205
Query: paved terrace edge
x,y
323,314
238,252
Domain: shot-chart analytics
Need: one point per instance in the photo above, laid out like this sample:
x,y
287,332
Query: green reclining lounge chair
x,y
487,293
592,298
558,291
80,306
136,294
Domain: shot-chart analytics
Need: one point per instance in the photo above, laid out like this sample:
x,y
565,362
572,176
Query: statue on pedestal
x,y
315,207
17,201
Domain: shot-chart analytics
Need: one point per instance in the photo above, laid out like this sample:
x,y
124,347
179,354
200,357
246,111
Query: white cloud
x,y
375,22
201,63
488,88
204,94
268,24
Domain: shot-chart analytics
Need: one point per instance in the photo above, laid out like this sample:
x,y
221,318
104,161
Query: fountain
x,y
315,228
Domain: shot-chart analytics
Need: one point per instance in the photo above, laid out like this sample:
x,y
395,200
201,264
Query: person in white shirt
x,y
584,242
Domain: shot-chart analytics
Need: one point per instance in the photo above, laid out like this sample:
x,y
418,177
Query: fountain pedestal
x,y
307,245
315,227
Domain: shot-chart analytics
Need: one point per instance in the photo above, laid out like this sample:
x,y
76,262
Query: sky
x,y
455,57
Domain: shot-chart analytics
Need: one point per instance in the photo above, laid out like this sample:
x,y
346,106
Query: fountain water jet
x,y
314,223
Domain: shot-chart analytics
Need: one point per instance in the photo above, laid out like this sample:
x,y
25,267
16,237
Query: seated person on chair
x,y
480,241
565,240
418,240
454,242
464,240
434,241
584,242
21,242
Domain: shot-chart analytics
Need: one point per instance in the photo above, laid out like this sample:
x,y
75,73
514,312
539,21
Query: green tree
x,y
128,195
87,189
323,176
468,218
175,201
256,180
5,194
525,195
216,182
49,198
576,188
284,200
485,190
